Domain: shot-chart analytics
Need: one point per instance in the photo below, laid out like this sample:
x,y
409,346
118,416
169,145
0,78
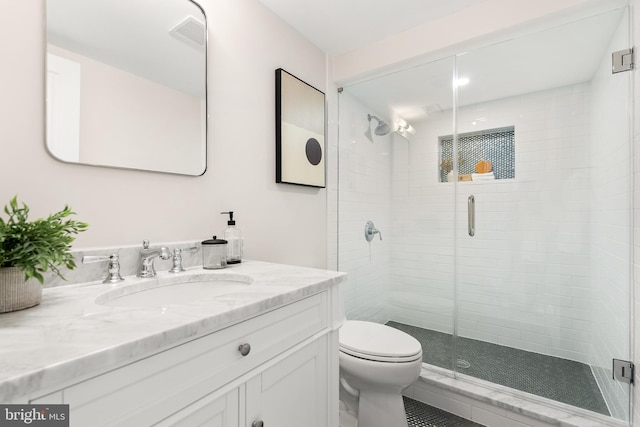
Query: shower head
x,y
381,129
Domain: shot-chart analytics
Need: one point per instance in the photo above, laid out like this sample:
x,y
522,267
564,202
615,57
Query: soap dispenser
x,y
233,236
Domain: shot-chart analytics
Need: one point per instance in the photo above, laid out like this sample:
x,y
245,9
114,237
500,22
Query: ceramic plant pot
x,y
15,293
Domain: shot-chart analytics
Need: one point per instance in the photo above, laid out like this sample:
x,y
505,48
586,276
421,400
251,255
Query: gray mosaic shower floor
x,y
559,379
422,415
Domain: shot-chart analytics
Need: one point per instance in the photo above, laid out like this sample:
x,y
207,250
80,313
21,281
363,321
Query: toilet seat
x,y
376,358
376,342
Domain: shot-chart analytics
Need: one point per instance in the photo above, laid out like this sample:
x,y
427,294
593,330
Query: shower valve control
x,y
370,230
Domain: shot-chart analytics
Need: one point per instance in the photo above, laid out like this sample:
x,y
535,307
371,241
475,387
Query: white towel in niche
x,y
482,176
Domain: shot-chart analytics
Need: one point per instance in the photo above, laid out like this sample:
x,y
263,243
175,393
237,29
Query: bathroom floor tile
x,y
422,415
559,379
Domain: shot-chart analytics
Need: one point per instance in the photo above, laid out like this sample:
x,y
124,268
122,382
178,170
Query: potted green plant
x,y
30,248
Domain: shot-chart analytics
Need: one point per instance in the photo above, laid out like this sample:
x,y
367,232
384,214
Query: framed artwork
x,y
300,132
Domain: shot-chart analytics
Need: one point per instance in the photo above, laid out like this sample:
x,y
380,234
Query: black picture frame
x,y
300,132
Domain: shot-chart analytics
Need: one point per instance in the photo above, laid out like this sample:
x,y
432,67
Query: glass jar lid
x,y
215,241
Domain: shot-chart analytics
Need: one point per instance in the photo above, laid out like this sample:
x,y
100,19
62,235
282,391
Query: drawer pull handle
x,y
244,349
257,424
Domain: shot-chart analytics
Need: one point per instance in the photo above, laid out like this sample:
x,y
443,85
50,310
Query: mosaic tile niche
x,y
495,145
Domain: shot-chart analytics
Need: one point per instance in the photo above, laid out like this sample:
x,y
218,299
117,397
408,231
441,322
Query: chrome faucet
x,y
147,255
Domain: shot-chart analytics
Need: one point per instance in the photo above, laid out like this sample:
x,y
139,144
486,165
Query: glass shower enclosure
x,y
503,197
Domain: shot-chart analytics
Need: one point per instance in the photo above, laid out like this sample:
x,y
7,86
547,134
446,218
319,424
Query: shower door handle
x,y
471,215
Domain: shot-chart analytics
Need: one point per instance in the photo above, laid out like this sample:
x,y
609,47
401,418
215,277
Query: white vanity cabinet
x,y
287,378
291,392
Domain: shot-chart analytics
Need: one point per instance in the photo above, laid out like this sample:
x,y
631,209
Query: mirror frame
x,y
202,161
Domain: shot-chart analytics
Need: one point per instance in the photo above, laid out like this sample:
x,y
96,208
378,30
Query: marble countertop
x,y
69,335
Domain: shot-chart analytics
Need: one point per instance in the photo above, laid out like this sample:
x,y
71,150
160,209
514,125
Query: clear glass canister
x,y
214,253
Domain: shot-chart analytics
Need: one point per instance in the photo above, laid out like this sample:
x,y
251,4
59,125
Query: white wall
x,y
281,223
364,191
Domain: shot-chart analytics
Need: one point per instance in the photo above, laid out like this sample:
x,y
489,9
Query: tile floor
x,y
422,415
559,379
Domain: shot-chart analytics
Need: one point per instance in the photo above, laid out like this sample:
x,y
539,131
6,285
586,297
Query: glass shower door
x,y
422,264
405,278
527,283
543,208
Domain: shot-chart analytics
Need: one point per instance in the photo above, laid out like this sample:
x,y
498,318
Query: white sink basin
x,y
175,290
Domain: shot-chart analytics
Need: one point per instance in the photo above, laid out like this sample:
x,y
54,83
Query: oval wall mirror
x,y
126,84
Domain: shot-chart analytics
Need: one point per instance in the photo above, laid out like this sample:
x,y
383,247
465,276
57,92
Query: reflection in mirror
x,y
126,84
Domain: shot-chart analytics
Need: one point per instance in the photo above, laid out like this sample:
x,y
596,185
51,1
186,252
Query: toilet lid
x,y
374,341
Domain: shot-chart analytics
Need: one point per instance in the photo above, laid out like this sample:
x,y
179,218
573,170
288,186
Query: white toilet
x,y
376,363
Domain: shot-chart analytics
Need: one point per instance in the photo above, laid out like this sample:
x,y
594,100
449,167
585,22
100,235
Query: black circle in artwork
x,y
314,151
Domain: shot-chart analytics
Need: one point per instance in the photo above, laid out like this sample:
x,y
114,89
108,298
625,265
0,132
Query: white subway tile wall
x,y
524,276
364,194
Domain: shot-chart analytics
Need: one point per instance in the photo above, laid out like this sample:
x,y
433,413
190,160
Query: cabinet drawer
x,y
211,411
150,389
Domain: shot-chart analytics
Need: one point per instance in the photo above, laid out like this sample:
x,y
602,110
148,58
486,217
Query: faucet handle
x,y
113,272
370,230
177,258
